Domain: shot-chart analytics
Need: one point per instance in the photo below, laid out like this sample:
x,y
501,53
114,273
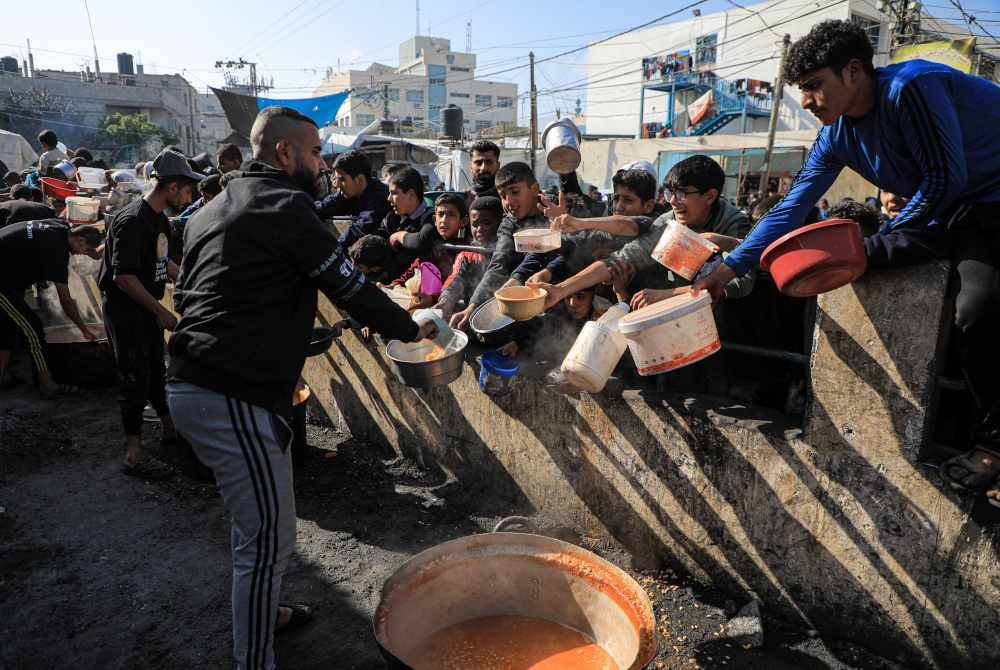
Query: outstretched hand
x,y
715,283
553,210
553,294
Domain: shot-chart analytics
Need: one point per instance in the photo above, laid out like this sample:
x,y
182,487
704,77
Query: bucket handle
x,y
515,522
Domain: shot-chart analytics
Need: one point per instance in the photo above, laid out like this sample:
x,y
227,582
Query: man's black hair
x,y
858,212
79,161
84,154
639,182
12,178
174,148
48,138
21,192
490,204
408,179
485,147
37,195
515,172
229,152
354,163
700,172
831,44
372,251
92,236
456,200
210,185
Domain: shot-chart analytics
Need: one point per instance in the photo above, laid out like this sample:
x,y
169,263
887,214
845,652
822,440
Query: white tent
x,y
15,152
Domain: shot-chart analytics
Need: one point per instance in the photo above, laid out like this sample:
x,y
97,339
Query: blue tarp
x,y
322,110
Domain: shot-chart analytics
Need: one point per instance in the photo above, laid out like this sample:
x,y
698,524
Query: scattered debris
x,y
747,628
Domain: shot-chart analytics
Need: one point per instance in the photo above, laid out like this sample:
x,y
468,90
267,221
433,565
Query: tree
x,y
135,130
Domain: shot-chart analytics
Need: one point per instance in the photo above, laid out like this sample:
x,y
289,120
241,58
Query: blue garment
x,y
368,210
932,136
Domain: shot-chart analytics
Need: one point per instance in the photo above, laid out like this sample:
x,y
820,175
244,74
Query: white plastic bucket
x,y
672,333
561,140
83,210
593,357
682,250
537,240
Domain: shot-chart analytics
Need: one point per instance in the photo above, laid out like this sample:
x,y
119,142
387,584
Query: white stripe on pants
x,y
247,449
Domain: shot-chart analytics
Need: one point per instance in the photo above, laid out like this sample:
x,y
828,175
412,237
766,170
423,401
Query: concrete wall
x,y
838,525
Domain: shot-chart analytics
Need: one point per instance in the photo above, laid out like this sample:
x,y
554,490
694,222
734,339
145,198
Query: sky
x,y
294,41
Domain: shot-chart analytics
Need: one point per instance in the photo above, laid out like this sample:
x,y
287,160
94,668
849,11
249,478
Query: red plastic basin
x,y
816,258
57,188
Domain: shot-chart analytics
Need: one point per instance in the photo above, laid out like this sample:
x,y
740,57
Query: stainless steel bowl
x,y
426,374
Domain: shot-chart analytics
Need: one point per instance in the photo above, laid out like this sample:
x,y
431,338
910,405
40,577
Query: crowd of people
x,y
247,248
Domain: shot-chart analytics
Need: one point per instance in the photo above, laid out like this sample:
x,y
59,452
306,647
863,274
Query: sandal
x,y
975,470
150,470
301,615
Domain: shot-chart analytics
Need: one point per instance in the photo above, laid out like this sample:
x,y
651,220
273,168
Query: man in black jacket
x,y
24,207
253,261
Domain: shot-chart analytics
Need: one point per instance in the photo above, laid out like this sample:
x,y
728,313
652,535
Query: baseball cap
x,y
641,165
173,164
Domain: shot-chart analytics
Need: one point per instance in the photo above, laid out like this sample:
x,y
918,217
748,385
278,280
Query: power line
x,y
759,16
970,19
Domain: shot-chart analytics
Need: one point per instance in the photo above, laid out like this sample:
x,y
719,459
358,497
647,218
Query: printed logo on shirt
x,y
346,267
160,271
31,229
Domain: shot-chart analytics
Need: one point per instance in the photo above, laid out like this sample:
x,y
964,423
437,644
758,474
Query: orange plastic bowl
x,y
57,188
816,258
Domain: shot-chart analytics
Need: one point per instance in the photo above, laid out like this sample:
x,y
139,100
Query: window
x,y
418,122
484,101
456,68
871,27
504,101
436,81
705,49
483,125
459,95
433,109
450,58
414,96
394,94
364,119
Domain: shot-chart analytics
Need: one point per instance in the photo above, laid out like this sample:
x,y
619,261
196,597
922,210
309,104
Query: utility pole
x,y
779,88
534,111
255,88
385,101
906,19
418,19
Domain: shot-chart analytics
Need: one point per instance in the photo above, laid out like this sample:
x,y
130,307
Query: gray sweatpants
x,y
247,449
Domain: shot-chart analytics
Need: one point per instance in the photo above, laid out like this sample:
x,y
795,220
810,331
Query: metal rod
x,y
534,111
466,247
767,353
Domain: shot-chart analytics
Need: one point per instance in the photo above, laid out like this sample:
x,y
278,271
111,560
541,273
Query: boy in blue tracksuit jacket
x,y
930,133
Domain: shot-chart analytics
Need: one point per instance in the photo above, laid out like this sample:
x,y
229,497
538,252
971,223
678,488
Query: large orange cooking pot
x,y
513,575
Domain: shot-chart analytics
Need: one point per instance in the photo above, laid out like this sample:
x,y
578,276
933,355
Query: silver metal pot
x,y
561,140
407,357
515,574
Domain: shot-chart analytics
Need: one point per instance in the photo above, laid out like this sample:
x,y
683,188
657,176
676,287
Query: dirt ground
x,y
99,570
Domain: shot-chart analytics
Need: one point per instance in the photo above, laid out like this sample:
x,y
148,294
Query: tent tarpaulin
x,y
241,110
16,152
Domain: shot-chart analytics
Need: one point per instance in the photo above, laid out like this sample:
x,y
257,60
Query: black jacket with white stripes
x,y
253,261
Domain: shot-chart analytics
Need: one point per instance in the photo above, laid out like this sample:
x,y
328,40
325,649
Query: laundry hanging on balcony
x,y
701,108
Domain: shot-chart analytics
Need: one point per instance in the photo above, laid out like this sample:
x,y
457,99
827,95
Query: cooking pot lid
x,y
666,310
